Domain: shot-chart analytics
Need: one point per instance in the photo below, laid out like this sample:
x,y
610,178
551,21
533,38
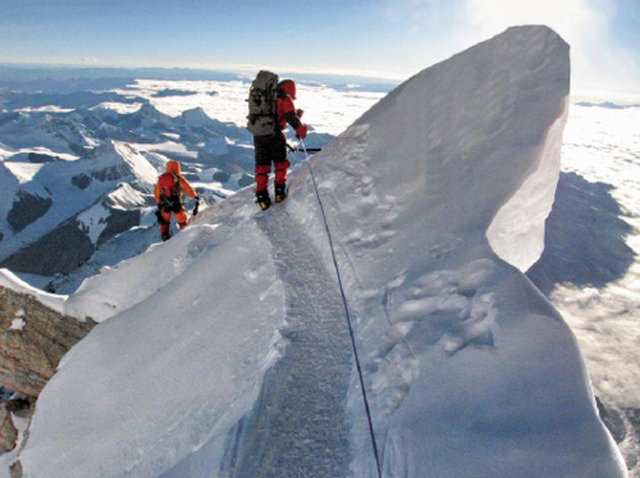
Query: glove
x,y
195,208
301,131
299,112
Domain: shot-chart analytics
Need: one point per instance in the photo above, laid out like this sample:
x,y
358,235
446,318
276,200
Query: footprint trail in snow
x,y
299,421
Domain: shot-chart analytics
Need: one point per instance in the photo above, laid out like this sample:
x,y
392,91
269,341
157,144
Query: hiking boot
x,y
281,193
263,199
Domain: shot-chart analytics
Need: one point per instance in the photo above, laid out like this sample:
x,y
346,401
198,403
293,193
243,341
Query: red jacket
x,y
286,110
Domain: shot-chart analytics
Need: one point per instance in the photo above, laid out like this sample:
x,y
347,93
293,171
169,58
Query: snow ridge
x,y
238,346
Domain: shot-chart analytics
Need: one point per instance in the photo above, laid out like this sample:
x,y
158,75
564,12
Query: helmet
x,y
289,87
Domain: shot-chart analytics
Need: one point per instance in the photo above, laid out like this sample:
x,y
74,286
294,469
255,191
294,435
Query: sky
x,y
385,38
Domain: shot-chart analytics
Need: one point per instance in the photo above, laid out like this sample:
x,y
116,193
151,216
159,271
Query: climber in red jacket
x,y
272,148
169,189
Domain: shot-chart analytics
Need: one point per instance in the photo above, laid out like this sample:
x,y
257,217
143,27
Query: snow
x,y
93,221
23,172
13,282
46,109
116,153
6,459
524,215
122,108
125,196
167,147
234,345
13,155
47,132
17,324
229,342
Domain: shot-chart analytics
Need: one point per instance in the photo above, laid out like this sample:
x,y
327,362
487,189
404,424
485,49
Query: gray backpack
x,y
262,104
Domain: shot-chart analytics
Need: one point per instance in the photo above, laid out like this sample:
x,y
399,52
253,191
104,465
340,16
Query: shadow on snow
x,y
584,237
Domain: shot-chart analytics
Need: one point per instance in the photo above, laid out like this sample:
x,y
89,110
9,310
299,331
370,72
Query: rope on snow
x,y
348,316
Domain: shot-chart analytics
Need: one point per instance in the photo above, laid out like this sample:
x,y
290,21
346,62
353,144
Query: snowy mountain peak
x,y
148,112
467,370
113,160
75,134
196,117
107,148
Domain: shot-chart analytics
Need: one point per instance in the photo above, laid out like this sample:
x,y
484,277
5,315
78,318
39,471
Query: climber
x,y
270,145
168,192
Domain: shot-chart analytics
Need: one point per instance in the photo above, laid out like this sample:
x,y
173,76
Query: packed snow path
x,y
299,423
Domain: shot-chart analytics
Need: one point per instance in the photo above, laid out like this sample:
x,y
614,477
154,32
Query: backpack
x,y
263,93
169,184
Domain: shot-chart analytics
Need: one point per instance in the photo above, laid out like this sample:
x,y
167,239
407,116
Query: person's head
x,y
173,167
289,87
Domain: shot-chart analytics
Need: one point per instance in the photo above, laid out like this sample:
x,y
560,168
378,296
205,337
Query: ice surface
x,y
468,369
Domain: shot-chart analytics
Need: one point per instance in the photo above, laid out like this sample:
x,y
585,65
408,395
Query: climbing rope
x,y
348,316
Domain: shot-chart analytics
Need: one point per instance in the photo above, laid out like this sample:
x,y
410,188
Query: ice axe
x,y
195,208
304,148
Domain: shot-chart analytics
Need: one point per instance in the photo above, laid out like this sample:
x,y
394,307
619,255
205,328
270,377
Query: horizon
x,y
243,72
622,97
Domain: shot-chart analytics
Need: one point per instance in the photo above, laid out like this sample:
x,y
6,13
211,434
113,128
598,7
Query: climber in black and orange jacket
x,y
168,192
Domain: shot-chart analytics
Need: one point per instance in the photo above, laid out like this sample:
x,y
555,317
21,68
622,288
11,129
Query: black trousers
x,y
270,148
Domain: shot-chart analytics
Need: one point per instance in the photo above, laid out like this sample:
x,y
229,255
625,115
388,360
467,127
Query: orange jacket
x,y
174,168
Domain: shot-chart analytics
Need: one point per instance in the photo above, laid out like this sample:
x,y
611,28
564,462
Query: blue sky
x,y
394,38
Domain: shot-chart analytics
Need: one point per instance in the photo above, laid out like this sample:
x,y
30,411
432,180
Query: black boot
x,y
166,236
263,199
281,193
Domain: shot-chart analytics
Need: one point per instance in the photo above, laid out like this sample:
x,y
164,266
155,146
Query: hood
x,y
289,87
173,167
